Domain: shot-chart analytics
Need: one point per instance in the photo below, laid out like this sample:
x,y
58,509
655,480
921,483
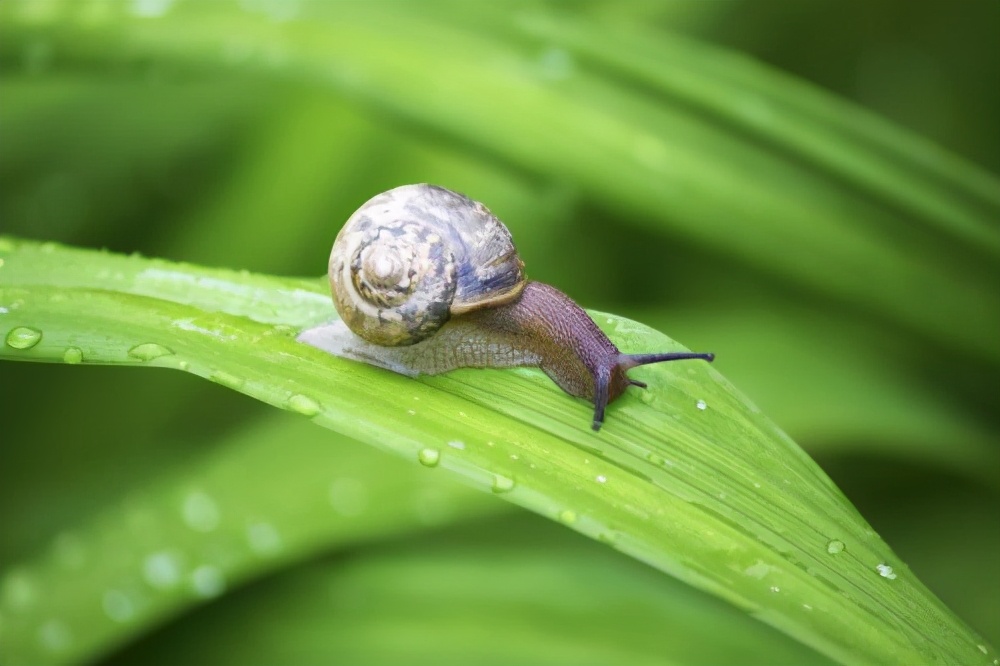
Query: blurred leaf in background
x,y
807,190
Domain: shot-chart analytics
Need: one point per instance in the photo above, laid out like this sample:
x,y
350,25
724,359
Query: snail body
x,y
426,280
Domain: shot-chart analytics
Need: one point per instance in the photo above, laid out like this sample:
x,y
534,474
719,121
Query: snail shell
x,y
412,257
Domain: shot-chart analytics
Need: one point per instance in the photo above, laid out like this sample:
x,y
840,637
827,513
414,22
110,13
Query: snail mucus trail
x,y
426,280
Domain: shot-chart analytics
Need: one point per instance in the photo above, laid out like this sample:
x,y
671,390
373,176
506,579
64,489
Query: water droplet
x,y
118,606
758,569
72,355
646,396
600,478
807,607
23,337
54,635
2,262
162,570
502,484
411,412
983,649
348,497
835,546
456,444
701,405
148,351
608,538
885,571
775,588
264,538
567,516
226,379
654,458
200,512
207,581
304,405
6,245
429,457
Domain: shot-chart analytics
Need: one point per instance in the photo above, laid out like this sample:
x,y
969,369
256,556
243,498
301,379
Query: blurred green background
x,y
657,160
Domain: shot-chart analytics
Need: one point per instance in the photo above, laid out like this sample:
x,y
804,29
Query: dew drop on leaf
x,y
835,546
429,457
885,571
226,379
72,355
567,516
502,484
23,337
303,404
148,351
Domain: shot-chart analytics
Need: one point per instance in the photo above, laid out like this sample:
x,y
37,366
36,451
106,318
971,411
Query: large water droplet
x,y
303,404
885,571
835,546
148,351
73,355
701,405
55,636
457,444
23,337
207,581
429,457
162,570
348,496
263,538
502,484
200,512
118,606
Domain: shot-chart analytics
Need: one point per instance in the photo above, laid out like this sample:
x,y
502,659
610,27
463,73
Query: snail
x,y
426,280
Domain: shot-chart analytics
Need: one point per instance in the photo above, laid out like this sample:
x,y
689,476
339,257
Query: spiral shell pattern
x,y
414,256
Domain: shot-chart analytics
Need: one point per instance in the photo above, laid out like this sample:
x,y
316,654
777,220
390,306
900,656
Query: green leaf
x,y
689,476
272,494
503,591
